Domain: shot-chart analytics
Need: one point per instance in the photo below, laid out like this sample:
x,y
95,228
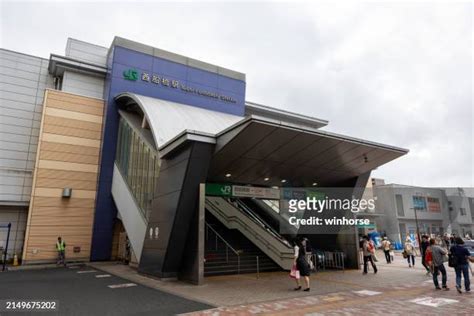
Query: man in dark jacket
x,y
424,245
462,265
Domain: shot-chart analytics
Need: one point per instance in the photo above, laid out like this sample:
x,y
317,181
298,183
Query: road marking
x,y
73,267
86,271
333,299
119,286
367,292
99,276
433,302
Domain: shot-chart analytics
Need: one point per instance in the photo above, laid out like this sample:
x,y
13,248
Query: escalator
x,y
256,225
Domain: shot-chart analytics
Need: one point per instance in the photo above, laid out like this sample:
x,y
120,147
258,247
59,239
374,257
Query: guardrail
x,y
328,260
227,245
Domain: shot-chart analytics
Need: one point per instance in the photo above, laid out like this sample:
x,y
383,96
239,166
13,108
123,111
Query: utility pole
x,y
417,229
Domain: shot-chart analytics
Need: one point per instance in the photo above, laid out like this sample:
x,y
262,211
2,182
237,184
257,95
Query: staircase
x,y
227,251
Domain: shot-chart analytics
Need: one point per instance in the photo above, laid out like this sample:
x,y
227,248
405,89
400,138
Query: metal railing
x,y
227,245
328,260
251,214
255,235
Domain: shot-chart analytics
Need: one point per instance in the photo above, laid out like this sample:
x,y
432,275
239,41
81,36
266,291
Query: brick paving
x,y
332,292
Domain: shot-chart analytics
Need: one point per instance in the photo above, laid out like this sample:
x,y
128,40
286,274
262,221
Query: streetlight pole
x,y
417,229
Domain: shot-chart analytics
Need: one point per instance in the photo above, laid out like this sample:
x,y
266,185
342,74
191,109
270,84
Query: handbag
x,y
404,254
294,272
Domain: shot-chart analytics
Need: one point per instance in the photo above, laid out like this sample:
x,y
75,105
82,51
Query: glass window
x,y
138,164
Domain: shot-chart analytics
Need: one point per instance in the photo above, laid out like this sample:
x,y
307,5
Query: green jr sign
x,y
215,189
130,74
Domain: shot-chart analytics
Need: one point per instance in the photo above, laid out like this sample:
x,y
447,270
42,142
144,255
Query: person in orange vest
x,y
61,248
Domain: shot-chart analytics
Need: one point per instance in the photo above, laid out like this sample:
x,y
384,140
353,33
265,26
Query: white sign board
x,y
256,192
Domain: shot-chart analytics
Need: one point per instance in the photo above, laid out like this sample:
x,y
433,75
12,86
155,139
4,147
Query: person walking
x,y
461,268
308,252
368,250
424,246
386,249
61,249
437,263
410,252
301,265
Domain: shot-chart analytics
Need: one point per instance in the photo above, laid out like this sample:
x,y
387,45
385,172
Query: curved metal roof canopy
x,y
262,150
168,120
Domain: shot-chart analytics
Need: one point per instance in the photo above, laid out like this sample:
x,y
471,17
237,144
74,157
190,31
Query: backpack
x,y
452,260
428,255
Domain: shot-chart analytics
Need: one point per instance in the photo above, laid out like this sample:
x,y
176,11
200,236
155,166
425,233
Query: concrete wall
x,y
23,80
68,157
449,216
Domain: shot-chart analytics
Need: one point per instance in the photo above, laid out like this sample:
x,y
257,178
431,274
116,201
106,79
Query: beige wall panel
x,y
37,230
54,192
65,174
74,149
69,166
63,203
75,107
51,211
60,121
71,131
71,140
73,115
74,98
48,254
68,157
52,238
64,183
62,220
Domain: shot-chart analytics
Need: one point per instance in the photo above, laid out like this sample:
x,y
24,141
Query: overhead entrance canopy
x,y
267,152
260,149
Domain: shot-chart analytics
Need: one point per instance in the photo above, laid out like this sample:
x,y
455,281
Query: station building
x,y
135,151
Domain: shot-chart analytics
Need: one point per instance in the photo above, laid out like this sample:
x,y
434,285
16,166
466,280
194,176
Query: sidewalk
x,y
391,291
247,289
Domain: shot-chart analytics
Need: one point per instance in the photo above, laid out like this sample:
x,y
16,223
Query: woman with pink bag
x,y
300,266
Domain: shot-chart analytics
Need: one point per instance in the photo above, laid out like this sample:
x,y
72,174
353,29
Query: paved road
x,y
80,292
383,296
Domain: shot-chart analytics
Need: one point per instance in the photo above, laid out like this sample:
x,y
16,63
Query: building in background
x,y
438,210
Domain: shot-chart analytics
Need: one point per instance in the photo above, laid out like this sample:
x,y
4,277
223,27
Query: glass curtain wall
x,y
139,165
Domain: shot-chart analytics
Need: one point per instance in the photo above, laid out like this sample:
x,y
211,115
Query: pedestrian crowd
x,y
435,252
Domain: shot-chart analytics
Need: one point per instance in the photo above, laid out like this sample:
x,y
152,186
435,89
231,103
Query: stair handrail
x,y
261,222
227,246
222,238
255,234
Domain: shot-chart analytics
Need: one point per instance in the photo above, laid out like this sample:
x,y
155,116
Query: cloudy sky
x,y
399,74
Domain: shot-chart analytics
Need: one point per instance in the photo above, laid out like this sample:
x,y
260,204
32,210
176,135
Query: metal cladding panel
x,y
168,119
23,80
325,158
193,78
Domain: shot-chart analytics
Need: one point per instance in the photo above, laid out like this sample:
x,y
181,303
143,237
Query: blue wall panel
x,y
122,59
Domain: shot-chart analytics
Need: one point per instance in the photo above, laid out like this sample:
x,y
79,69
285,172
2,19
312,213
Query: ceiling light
x,y
228,175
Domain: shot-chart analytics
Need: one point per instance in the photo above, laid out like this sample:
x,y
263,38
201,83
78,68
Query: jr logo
x,y
130,74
